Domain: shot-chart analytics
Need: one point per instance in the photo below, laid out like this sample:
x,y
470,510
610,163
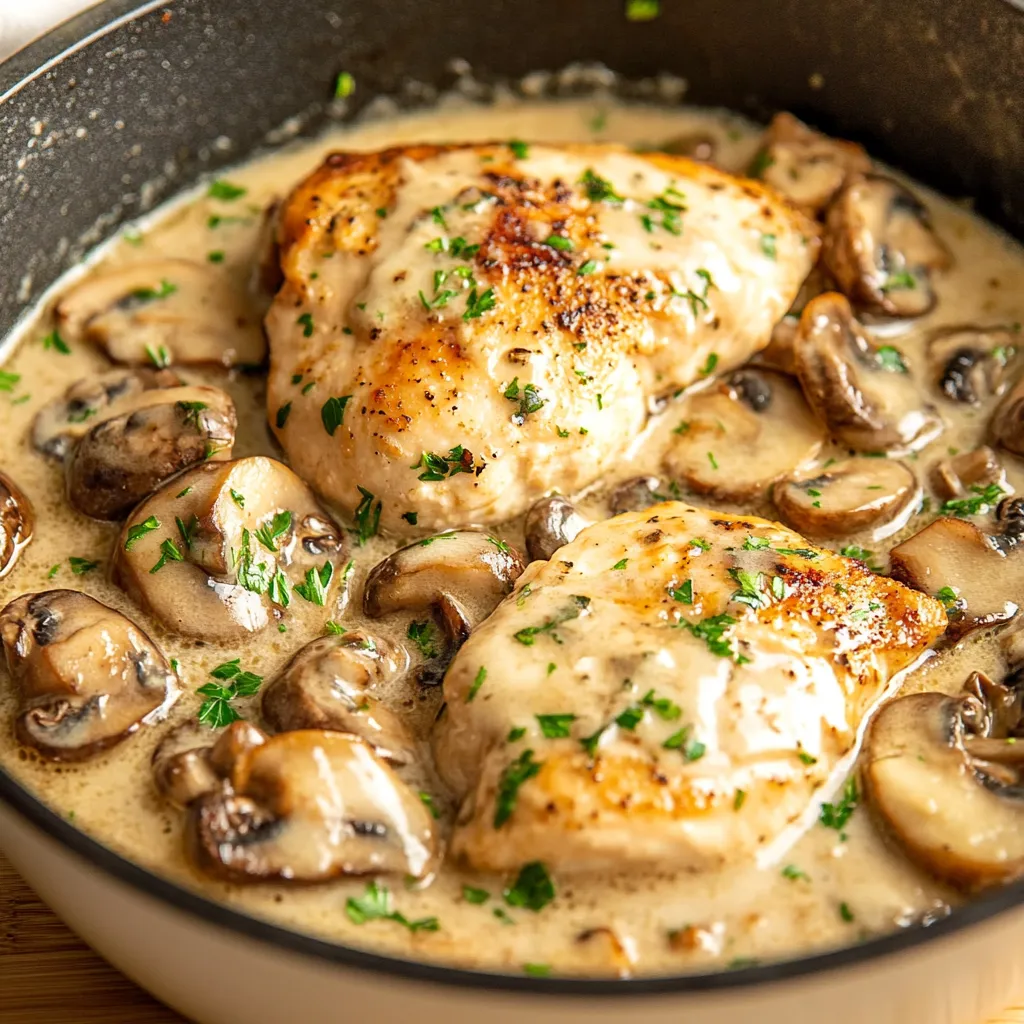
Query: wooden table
x,y
45,971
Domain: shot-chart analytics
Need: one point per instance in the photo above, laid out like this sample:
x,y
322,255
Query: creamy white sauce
x,y
672,923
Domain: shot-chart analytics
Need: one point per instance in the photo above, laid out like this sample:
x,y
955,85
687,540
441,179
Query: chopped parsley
x,y
191,411
217,710
845,912
375,905
532,889
751,591
237,498
739,799
411,517
621,564
54,341
515,774
54,569
642,10
80,566
838,814
481,675
587,268
224,190
948,596
683,593
424,636
334,628
693,750
900,280
709,367
555,727
527,636
344,85
984,499
560,242
542,970
147,525
598,189
670,210
428,802
697,301
151,294
477,305
890,358
215,256
515,734
168,553
520,150
282,415
367,516
306,319
528,397
768,246
159,356
437,467
187,530
332,412
8,380
712,631
269,532
314,587
793,873
475,896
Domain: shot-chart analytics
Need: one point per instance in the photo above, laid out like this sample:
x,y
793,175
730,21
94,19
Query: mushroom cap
x,y
1007,424
235,574
806,166
308,806
848,497
970,362
17,522
635,494
744,434
955,476
333,683
550,523
181,763
880,247
863,392
125,457
473,568
954,553
58,426
950,812
88,676
178,310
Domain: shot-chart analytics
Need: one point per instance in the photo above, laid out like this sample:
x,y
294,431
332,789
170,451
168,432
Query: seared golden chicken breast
x,y
462,328
676,688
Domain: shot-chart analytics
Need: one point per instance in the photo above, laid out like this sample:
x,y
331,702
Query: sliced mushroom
x,y
168,311
848,497
334,683
953,799
970,362
550,523
636,494
308,806
59,424
979,577
88,676
863,392
1007,425
267,276
461,575
959,475
779,354
807,166
181,763
126,457
17,522
742,435
228,547
880,247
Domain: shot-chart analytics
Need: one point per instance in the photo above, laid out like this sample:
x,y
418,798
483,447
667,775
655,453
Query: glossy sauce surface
x,y
831,887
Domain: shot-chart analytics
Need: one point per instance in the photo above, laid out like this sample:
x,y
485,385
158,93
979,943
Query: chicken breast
x,y
676,688
462,329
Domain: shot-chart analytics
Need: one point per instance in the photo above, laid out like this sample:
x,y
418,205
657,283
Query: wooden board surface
x,y
48,976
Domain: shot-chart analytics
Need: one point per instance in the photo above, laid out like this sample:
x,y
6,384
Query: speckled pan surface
x,y
133,114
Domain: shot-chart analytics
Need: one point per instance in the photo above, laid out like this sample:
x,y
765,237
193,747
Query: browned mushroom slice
x,y
169,311
636,494
806,166
550,523
192,759
848,497
959,475
880,247
266,273
17,521
228,547
979,577
863,392
739,437
126,457
334,683
1007,426
970,363
88,676
59,424
308,806
954,801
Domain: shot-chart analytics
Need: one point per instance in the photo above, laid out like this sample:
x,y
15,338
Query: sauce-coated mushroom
x,y
308,806
224,549
971,363
88,676
550,523
17,521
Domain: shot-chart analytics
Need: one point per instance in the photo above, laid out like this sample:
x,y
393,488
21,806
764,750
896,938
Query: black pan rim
x,y
17,72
